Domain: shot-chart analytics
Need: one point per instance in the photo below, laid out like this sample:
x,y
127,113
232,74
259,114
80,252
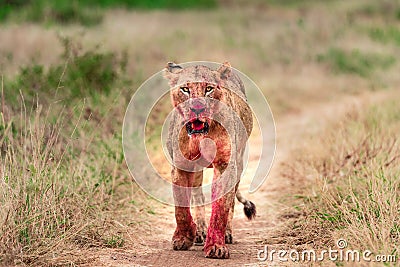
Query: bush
x,y
385,35
355,61
84,74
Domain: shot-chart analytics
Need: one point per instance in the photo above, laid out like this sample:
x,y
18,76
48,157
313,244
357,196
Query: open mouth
x,y
197,126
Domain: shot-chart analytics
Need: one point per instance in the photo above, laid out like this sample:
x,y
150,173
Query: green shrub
x,y
83,74
385,35
355,61
45,11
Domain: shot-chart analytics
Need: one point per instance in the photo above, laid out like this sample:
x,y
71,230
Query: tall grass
x,y
354,173
359,192
50,194
62,173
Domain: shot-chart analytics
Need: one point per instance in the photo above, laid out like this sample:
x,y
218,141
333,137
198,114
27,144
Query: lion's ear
x,y
225,70
171,72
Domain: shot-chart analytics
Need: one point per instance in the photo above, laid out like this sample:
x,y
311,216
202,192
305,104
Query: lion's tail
x,y
249,207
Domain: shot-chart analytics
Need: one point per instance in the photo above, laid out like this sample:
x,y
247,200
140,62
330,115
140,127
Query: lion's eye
x,y
209,89
185,89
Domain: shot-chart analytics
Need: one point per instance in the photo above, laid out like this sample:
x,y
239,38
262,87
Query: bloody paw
x,y
182,243
183,238
217,252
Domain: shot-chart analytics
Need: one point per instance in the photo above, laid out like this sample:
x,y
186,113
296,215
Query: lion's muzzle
x,y
197,123
197,126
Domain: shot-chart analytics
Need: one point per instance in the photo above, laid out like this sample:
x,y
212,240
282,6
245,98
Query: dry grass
x,y
63,180
360,189
353,188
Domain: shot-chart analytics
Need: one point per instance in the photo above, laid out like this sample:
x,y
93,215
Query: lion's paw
x,y
228,238
183,237
217,252
200,238
182,243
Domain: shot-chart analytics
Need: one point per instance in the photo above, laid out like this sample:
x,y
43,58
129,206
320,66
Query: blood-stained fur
x,y
200,94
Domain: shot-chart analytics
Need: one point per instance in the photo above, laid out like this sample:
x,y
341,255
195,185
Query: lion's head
x,y
196,92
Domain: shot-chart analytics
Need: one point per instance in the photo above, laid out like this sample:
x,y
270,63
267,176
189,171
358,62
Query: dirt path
x,y
155,249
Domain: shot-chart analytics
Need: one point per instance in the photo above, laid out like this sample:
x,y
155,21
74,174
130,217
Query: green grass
x,y
51,12
294,3
389,10
157,4
115,241
385,35
86,12
83,74
291,4
355,62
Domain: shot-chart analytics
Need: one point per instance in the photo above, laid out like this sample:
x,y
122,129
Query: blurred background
x,y
69,69
325,47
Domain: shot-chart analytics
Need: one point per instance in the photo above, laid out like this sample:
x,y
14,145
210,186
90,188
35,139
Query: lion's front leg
x,y
199,209
185,227
215,246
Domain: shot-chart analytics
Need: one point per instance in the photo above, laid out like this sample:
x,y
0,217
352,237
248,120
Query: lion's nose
x,y
197,106
197,110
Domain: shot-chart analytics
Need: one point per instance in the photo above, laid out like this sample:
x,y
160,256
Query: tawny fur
x,y
189,85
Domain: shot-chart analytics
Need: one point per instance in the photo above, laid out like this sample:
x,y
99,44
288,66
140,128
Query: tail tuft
x,y
250,210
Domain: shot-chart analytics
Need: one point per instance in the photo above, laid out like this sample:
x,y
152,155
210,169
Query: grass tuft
x,y
385,35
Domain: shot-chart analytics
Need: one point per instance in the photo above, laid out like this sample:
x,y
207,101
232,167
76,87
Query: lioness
x,y
210,104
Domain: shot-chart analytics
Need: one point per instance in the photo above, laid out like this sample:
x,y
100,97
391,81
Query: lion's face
x,y
196,93
196,103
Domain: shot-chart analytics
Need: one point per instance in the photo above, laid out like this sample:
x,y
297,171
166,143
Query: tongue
x,y
197,125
